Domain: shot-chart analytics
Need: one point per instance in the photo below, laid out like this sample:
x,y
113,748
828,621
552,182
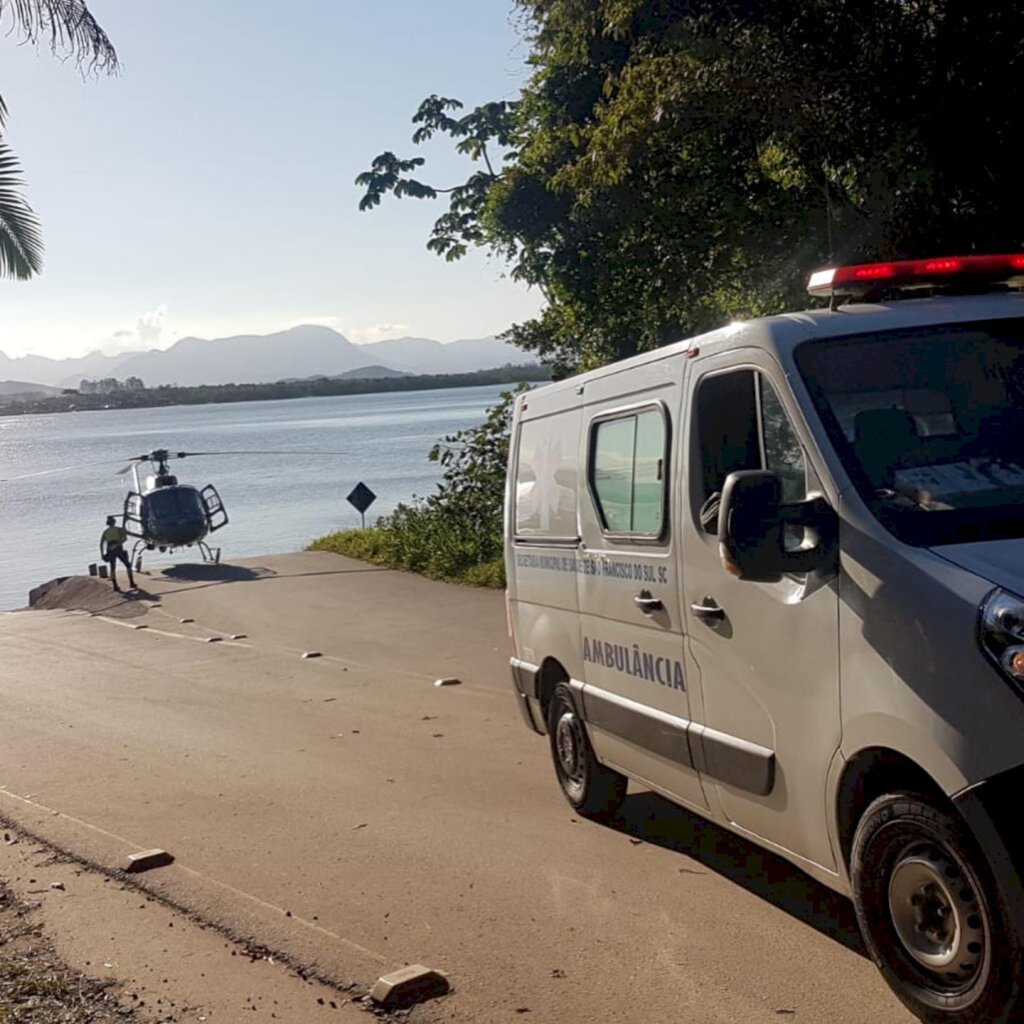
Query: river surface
x,y
50,525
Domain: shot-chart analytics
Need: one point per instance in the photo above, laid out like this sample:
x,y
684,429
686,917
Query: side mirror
x,y
750,526
751,529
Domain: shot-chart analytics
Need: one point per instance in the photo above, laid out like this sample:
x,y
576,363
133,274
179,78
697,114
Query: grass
x,y
439,554
36,987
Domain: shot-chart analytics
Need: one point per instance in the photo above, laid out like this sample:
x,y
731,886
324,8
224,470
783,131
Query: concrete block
x,y
311,654
147,860
408,986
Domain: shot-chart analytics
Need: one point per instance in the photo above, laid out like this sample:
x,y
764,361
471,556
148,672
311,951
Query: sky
x,y
208,190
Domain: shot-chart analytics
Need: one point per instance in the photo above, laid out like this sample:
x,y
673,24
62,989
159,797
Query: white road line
x,y
146,628
311,925
291,652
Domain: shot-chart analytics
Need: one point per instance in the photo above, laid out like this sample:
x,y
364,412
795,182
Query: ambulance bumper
x,y
525,678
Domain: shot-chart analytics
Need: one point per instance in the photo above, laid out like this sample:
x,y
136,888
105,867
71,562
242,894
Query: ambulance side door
x,y
636,695
767,653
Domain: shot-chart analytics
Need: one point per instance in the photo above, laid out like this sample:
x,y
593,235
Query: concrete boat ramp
x,y
335,817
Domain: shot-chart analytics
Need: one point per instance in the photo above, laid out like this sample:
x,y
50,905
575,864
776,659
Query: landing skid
x,y
209,554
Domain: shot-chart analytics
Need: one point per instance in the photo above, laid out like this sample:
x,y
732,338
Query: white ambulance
x,y
776,574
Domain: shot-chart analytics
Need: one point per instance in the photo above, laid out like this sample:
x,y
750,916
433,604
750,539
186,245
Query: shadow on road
x,y
208,572
208,575
652,819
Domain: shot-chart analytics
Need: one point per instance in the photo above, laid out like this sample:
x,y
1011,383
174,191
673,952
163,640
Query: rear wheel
x,y
593,790
929,913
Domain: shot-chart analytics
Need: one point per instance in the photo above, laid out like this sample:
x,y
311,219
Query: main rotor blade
x,y
261,451
171,455
58,469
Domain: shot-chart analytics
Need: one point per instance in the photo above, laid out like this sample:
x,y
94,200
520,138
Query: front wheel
x,y
593,790
929,913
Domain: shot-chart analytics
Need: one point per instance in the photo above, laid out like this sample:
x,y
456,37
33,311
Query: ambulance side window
x,y
627,473
741,424
727,427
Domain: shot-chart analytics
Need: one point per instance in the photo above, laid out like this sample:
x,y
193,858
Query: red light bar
x,y
864,278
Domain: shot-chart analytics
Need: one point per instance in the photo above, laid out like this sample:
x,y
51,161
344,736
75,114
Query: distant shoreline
x,y
320,387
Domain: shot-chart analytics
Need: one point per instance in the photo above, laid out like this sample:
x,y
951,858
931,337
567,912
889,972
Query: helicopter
x,y
163,514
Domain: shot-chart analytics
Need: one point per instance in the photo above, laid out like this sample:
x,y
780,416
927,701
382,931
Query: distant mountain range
x,y
305,351
21,388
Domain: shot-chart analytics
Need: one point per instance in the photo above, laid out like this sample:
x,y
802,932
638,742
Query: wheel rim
x,y
569,748
936,914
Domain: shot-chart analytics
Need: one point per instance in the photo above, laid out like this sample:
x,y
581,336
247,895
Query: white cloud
x,y
150,326
379,332
318,321
147,333
360,335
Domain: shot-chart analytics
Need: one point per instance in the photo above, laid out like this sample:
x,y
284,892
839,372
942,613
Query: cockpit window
x,y
175,503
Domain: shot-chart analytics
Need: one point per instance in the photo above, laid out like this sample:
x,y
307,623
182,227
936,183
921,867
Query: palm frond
x,y
21,244
66,26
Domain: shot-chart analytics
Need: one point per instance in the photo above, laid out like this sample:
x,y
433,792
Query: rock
x,y
448,681
57,885
407,986
311,654
147,860
36,594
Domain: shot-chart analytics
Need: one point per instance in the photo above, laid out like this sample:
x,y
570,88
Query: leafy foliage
x,y
455,534
71,32
21,245
66,26
672,164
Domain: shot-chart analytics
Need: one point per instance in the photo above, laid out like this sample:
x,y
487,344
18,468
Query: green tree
x,y
671,164
456,533
70,31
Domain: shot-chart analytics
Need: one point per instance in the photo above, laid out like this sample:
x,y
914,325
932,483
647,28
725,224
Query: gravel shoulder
x,y
36,985
79,946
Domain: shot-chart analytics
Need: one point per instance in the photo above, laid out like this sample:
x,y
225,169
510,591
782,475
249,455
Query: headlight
x,y
1002,633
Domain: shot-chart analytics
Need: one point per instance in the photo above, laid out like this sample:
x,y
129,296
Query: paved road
x,y
347,811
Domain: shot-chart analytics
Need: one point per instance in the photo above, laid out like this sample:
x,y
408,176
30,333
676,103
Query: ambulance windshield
x,y
929,424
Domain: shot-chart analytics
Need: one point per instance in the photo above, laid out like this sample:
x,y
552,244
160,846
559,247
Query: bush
x,y
455,534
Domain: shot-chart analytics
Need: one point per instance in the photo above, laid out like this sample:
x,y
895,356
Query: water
x,y
50,525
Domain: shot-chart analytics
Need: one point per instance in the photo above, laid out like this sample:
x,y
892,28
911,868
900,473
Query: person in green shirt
x,y
112,551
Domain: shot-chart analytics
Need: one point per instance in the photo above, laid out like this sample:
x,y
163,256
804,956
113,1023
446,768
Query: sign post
x,y
361,498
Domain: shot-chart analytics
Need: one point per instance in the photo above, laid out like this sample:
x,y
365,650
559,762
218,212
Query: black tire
x,y
931,916
592,790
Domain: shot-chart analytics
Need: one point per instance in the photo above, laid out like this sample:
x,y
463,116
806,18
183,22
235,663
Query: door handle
x,y
708,611
646,603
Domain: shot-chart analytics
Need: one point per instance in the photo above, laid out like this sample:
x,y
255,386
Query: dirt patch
x,y
88,594
36,987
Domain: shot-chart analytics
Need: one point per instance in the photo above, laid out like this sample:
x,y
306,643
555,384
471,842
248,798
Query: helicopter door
x,y
216,514
133,514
